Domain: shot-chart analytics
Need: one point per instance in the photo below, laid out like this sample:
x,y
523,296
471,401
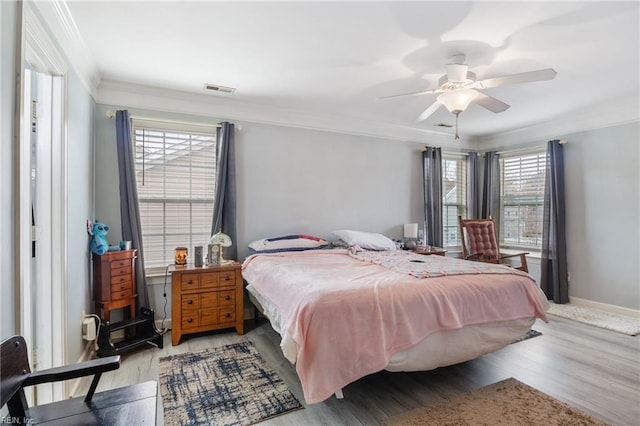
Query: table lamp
x,y
410,235
221,240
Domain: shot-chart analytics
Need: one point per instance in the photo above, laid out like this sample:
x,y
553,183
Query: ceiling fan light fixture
x,y
458,100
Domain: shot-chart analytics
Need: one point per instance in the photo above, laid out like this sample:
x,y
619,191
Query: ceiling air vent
x,y
219,89
443,125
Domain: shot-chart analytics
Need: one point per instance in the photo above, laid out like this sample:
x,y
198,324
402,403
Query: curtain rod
x,y
529,148
111,114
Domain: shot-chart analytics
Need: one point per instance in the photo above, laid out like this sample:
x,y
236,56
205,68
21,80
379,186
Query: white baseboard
x,y
73,384
612,309
166,324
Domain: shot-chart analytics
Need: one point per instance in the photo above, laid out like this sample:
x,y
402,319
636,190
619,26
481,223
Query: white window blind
x,y
522,198
454,198
175,177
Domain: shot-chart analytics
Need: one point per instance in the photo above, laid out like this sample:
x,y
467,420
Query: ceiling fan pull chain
x,y
457,114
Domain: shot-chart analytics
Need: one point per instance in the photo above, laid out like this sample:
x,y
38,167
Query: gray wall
x,y
291,180
294,180
8,40
79,209
603,215
80,107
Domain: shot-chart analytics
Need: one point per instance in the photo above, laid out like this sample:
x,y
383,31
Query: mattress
x,y
343,315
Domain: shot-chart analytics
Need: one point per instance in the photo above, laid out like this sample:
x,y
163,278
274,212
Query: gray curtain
x,y
491,189
553,263
129,210
473,186
432,178
224,209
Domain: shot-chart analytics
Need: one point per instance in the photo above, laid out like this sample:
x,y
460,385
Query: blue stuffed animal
x,y
99,243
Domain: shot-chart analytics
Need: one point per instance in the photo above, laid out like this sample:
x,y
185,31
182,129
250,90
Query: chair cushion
x,y
481,238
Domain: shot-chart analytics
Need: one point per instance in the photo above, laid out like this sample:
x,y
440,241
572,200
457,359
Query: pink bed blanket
x,y
349,317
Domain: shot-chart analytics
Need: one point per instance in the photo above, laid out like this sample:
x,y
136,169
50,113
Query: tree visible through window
x,y
522,197
453,199
175,177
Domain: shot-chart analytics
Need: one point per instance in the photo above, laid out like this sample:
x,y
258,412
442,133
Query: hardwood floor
x,y
590,368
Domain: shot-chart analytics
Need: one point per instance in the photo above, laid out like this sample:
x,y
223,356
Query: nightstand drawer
x,y
209,280
123,270
227,315
190,301
190,319
227,280
226,298
190,282
209,300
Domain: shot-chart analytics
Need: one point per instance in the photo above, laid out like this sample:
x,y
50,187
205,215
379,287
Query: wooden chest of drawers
x,y
206,298
114,282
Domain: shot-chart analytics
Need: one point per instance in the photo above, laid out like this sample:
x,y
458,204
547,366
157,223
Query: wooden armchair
x,y
129,405
480,242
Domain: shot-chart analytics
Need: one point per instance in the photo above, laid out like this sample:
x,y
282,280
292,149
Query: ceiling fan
x,y
459,88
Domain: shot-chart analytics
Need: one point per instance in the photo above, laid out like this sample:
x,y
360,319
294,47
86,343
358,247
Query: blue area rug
x,y
230,385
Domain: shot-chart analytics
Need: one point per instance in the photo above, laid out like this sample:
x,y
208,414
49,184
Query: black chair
x,y
134,404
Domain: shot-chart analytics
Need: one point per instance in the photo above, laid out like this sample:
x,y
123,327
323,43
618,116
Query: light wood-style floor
x,y
589,368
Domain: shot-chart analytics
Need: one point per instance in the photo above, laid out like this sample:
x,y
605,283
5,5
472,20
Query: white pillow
x,y
296,242
366,240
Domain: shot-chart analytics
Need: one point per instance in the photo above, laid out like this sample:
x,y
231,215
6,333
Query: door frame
x,y
37,49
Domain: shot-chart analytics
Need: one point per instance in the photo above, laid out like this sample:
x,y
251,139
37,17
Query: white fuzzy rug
x,y
621,324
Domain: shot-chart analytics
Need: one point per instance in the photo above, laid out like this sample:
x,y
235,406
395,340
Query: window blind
x,y
175,177
453,199
522,198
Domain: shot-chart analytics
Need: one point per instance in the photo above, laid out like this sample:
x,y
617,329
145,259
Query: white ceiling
x,y
337,58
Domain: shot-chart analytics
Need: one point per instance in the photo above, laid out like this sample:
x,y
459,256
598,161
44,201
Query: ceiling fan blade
x,y
423,92
525,77
427,112
490,103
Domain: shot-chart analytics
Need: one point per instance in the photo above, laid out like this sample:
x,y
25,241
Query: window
x,y
453,199
521,200
175,177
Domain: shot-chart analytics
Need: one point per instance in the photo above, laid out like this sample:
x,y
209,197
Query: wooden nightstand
x,y
428,250
206,298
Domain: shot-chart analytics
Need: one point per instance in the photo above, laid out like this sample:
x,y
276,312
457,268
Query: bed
x,y
346,313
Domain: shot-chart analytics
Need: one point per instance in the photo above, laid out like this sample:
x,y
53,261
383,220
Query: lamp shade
x,y
221,239
457,100
411,230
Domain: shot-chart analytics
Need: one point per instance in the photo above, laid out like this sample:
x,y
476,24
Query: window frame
x,y
194,131
461,197
526,159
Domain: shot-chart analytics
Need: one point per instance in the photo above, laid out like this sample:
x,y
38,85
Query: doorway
x,y
41,205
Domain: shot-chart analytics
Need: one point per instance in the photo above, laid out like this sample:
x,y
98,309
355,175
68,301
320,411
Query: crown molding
x,y
63,28
224,106
614,113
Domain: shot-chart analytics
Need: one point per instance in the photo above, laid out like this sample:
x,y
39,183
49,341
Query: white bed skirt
x,y
437,350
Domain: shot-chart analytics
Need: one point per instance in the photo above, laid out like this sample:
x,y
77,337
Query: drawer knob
x,y
121,279
189,302
227,278
121,287
227,298
189,281
189,319
227,315
122,271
